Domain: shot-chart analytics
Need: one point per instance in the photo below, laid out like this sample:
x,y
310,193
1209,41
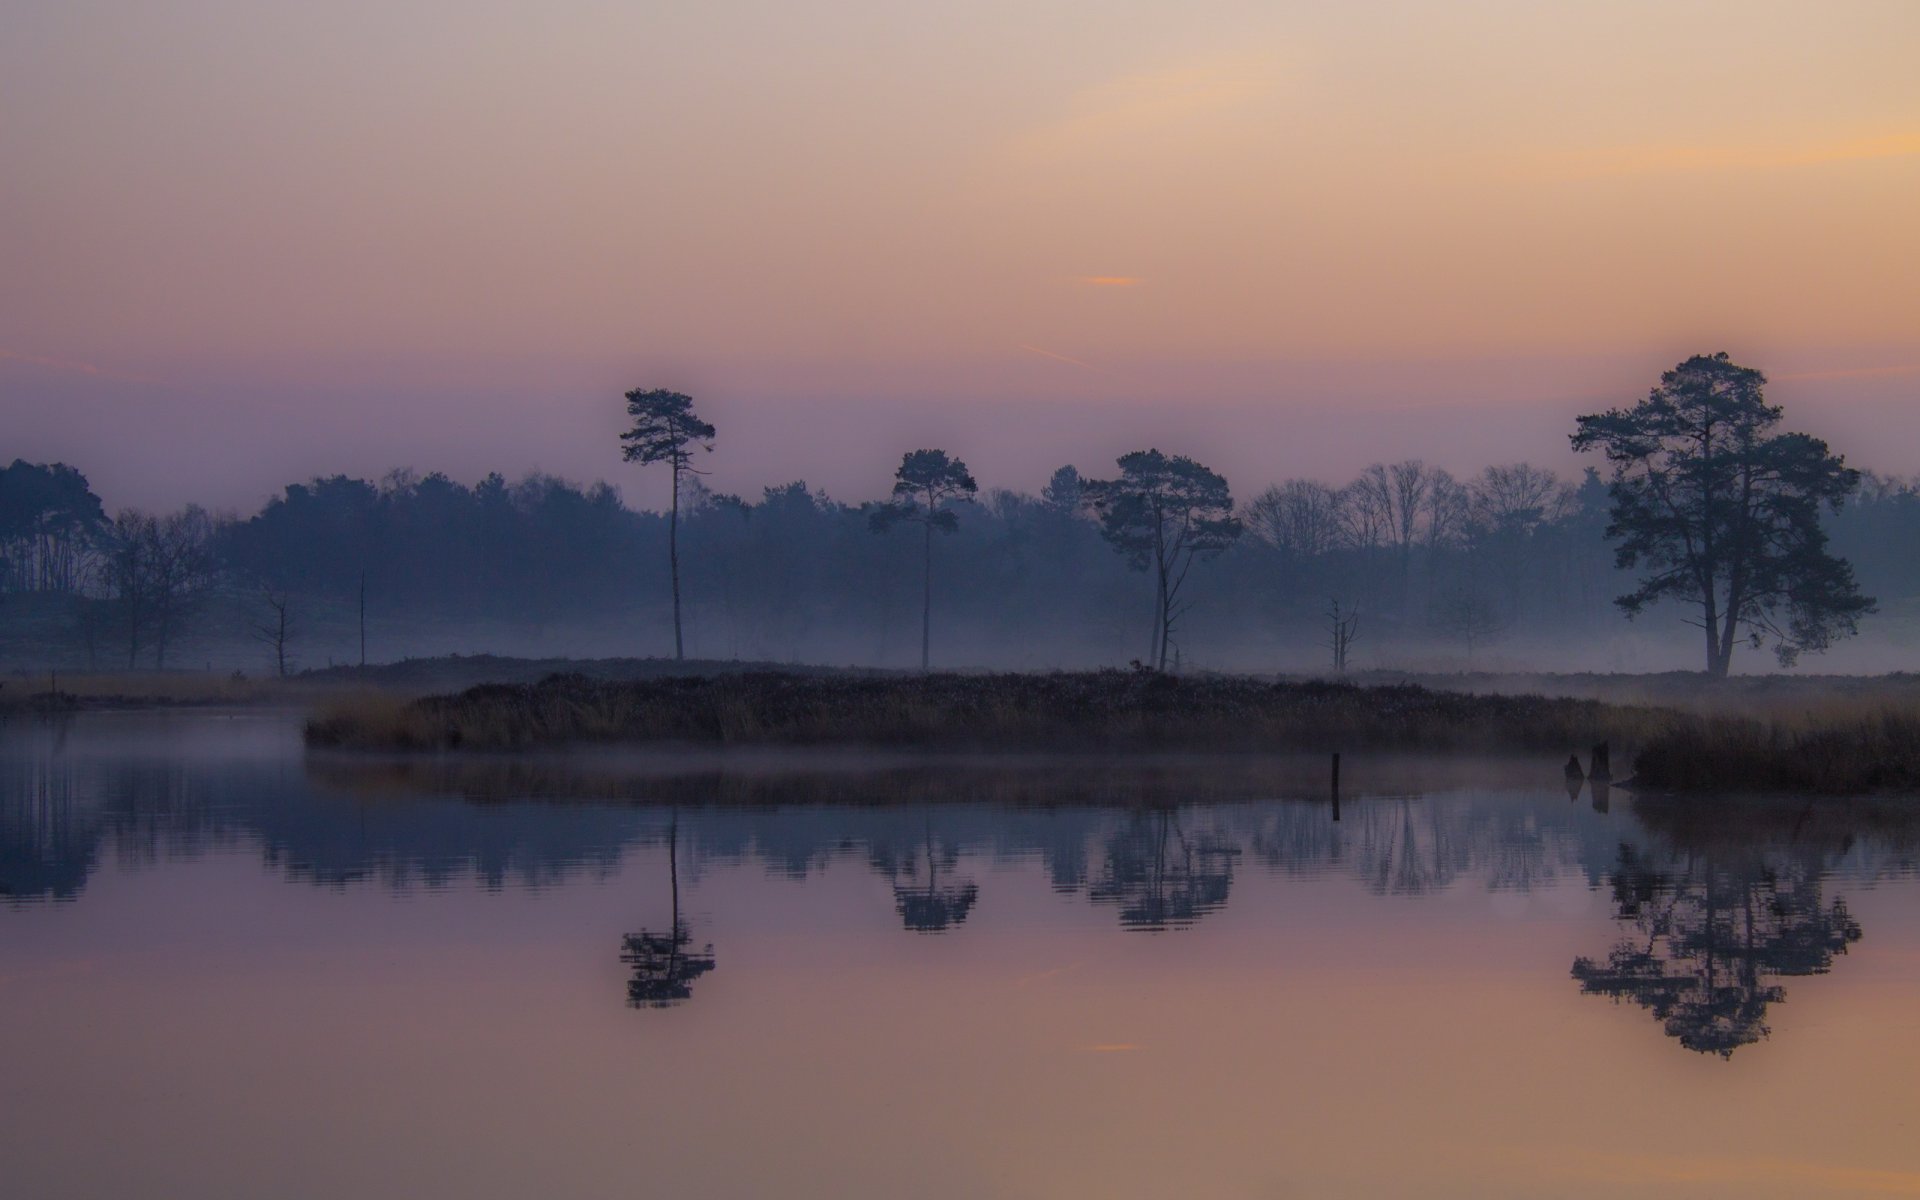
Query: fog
x,y
1507,568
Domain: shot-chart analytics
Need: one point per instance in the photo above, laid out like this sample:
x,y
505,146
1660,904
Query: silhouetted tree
x,y
1469,615
1724,514
275,629
665,429
1344,627
924,489
180,564
1062,492
129,577
1161,514
49,518
1300,518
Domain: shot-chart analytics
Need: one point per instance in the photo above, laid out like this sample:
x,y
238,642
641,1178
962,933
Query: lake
x,y
228,969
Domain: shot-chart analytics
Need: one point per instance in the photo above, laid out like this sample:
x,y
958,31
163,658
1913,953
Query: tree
x,y
1724,514
275,629
1301,518
1468,614
1062,493
1344,627
1161,514
48,518
924,489
665,429
180,565
130,541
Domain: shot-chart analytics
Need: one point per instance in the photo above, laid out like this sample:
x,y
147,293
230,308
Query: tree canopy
x,y
666,429
1161,514
1721,513
924,489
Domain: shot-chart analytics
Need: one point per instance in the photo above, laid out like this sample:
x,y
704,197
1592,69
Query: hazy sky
x,y
242,242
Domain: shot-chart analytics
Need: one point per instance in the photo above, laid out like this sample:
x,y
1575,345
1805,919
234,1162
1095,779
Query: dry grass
x,y
1832,741
95,689
1106,711
1841,753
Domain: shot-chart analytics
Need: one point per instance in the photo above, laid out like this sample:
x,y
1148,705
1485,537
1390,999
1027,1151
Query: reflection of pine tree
x,y
933,906
1713,934
1159,877
664,965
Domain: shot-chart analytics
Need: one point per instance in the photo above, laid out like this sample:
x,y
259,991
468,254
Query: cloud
x,y
1129,107
1663,159
1061,358
1851,373
68,366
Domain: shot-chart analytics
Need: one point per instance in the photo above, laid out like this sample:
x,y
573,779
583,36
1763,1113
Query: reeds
x,y
1847,753
1105,710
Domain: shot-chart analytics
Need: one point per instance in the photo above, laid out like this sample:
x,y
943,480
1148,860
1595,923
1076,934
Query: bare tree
x,y
276,628
1301,517
130,542
1344,628
180,566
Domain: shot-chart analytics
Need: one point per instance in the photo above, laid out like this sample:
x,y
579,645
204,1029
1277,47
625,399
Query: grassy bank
x,y
1847,754
70,691
1105,710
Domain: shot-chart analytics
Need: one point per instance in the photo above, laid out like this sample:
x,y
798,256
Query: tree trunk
x,y
926,597
673,563
1158,656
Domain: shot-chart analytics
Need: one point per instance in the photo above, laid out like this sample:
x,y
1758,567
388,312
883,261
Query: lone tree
x,y
924,489
276,629
1722,513
1161,514
666,429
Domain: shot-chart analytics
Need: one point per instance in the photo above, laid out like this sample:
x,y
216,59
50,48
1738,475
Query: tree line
x,y
1705,514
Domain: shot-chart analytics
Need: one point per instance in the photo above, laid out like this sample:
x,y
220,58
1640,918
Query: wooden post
x,y
1336,785
1599,767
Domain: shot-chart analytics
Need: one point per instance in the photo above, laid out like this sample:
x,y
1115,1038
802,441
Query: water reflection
x,y
1725,901
1712,937
1716,904
1161,876
663,966
932,904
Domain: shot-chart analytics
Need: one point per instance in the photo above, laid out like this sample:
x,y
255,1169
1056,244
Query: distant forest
x,y
1511,565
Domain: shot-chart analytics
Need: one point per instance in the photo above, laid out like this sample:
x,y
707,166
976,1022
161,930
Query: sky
x,y
242,243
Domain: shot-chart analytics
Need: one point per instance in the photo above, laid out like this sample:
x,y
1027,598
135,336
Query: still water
x,y
227,969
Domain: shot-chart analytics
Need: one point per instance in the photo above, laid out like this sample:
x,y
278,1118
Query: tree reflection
x,y
1160,877
664,965
933,905
1714,931
1410,846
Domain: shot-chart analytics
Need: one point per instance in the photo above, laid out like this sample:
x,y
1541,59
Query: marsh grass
x,y
1105,711
105,689
1847,749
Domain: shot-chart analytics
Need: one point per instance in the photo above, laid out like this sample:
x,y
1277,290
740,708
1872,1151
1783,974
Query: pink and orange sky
x,y
245,242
